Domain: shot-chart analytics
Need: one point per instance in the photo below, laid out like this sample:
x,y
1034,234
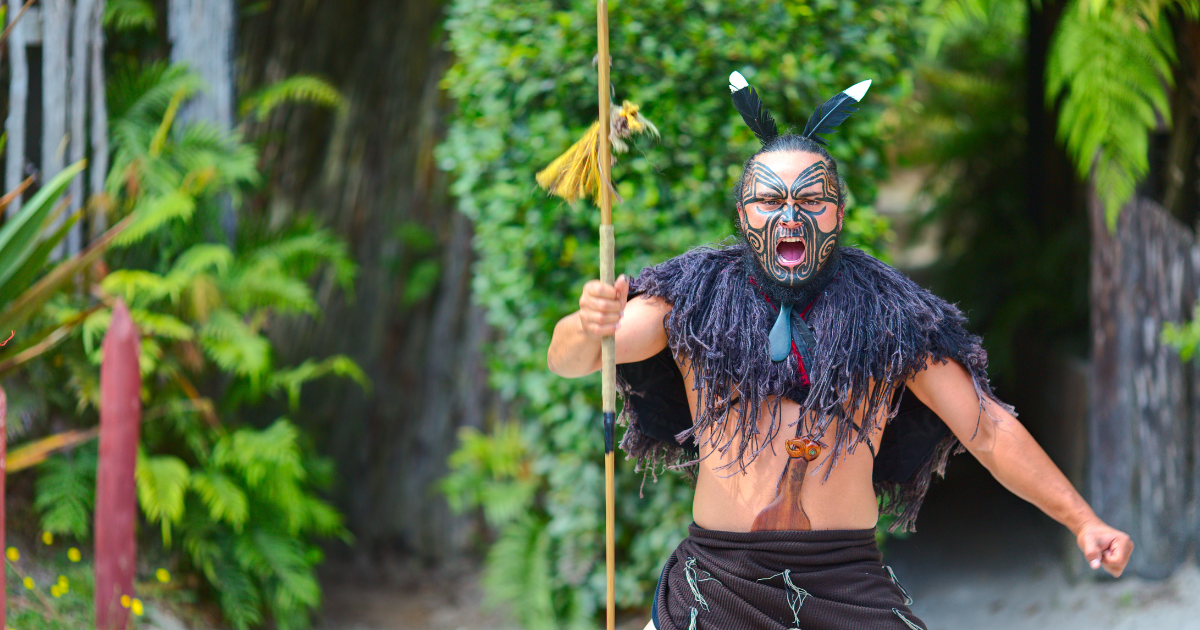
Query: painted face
x,y
790,215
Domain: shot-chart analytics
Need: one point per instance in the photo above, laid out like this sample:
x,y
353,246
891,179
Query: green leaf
x,y
161,483
1111,72
225,499
155,212
65,493
300,88
129,15
21,234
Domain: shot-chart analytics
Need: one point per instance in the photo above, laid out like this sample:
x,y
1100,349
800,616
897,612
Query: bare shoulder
x,y
642,333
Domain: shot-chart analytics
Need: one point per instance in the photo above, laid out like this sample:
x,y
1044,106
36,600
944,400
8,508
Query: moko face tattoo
x,y
790,215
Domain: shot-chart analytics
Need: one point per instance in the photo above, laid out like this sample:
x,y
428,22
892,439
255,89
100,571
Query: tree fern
x,y
1111,66
296,89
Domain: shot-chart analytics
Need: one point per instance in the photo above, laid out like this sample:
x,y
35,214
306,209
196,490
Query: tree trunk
x,y
1142,456
98,169
56,68
369,173
202,36
18,92
201,33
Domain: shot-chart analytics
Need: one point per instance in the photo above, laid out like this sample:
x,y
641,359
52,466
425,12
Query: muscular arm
x,y
1006,449
637,323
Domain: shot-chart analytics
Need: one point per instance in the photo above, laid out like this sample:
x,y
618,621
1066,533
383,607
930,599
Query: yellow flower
x,y
28,582
12,554
47,538
124,601
137,607
55,591
73,555
163,575
63,582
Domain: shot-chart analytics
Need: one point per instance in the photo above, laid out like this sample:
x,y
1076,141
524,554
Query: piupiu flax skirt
x,y
811,580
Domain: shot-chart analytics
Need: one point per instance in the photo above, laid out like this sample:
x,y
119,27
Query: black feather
x,y
829,115
757,117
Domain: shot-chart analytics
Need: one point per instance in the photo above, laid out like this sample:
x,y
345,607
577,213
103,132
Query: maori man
x,y
809,386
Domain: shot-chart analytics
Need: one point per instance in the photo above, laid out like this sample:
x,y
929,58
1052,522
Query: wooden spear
x,y
608,345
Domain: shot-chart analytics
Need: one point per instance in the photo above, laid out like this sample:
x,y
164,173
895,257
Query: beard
x,y
799,295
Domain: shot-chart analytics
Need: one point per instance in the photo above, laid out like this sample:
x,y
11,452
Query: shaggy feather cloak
x,y
874,329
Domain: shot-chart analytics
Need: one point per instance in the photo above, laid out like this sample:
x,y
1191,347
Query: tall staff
x,y
608,344
584,170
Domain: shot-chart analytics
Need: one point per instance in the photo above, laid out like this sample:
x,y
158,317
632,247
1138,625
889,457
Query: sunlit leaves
x,y
1111,69
161,482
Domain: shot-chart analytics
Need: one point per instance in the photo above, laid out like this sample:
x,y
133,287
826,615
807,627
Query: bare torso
x,y
729,499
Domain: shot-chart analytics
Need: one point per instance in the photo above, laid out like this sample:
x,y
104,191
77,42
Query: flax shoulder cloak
x,y
874,328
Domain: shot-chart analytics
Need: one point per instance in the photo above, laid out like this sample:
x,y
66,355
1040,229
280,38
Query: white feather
x,y
737,81
858,90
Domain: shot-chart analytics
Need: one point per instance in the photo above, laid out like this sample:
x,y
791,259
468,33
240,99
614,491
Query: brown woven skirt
x,y
811,580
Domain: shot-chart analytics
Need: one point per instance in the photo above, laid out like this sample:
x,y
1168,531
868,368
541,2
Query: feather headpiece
x,y
825,120
746,101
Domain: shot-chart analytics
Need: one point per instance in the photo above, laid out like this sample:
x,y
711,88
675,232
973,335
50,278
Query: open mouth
x,y
789,251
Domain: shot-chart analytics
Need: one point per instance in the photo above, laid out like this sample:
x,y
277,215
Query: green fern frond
x,y
202,147
241,600
140,287
161,325
161,483
225,499
234,347
140,93
65,493
306,253
155,212
265,283
290,380
129,15
201,258
296,89
519,573
256,453
1111,71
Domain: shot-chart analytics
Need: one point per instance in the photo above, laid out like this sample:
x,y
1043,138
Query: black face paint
x,y
775,245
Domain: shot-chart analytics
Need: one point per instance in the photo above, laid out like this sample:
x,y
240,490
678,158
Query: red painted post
x,y
3,514
116,491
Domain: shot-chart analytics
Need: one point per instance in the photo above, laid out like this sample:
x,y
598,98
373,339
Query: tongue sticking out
x,y
790,253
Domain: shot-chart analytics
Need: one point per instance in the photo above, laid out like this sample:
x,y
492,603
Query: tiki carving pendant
x,y
786,513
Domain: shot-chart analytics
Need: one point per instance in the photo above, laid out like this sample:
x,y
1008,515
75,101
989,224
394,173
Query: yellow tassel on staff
x,y
574,174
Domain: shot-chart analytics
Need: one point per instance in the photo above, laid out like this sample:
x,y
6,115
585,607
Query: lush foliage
x,y
239,501
1111,64
526,89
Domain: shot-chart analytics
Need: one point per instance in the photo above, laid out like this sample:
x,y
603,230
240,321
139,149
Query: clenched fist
x,y
601,307
1105,547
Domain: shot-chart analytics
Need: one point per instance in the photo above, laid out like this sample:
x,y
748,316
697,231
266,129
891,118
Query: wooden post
x,y
3,498
116,492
